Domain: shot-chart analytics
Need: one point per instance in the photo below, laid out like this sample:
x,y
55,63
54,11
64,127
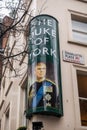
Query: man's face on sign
x,y
40,70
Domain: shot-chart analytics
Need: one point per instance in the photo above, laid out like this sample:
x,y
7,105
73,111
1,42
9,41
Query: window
x,y
37,125
82,90
83,1
7,120
0,124
79,29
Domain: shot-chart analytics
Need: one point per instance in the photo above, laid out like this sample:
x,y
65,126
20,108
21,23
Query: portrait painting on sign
x,y
43,89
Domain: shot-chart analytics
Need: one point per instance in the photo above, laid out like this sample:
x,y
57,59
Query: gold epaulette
x,y
50,81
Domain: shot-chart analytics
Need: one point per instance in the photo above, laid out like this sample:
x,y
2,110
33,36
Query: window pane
x,y
80,37
82,85
83,0
0,124
83,111
82,90
7,120
79,26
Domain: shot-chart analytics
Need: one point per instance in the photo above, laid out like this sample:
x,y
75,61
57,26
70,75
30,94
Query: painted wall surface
x,y
61,10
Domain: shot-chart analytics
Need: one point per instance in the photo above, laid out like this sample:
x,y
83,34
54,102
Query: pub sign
x,y
44,75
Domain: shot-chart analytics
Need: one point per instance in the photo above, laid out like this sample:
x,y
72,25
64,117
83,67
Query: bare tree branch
x,y
15,28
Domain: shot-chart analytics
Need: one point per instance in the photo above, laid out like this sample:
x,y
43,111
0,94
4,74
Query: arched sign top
x,y
44,15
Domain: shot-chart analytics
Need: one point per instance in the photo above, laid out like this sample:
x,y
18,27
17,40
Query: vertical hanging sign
x,y
44,77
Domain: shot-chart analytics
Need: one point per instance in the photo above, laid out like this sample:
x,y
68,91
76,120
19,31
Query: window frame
x,y
85,1
7,116
74,69
81,17
82,90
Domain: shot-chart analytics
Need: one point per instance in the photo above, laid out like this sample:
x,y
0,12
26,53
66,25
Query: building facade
x,y
72,23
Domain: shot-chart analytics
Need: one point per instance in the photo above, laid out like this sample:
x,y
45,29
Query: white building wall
x,y
61,10
15,98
